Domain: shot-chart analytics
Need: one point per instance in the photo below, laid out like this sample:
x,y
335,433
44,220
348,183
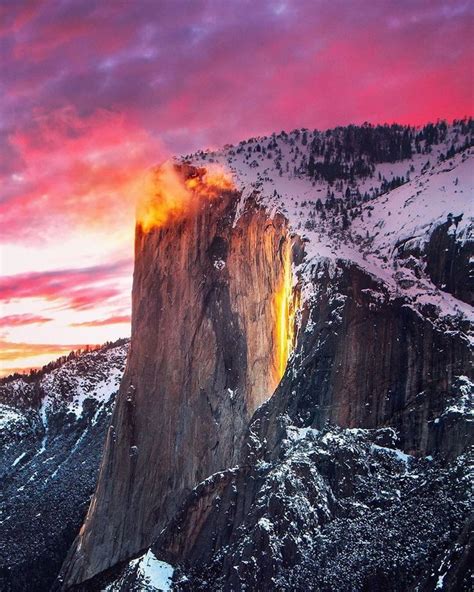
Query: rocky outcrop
x,y
353,473
449,259
366,359
330,510
445,256
292,505
212,305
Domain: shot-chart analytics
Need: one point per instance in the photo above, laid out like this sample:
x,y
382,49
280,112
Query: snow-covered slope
x,y
363,218
382,350
52,429
339,509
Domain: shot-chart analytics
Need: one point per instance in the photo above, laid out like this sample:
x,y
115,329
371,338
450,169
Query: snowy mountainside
x,y
345,504
381,503
52,428
391,184
355,473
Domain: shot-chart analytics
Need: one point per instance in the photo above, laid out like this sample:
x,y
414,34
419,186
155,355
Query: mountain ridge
x,y
380,280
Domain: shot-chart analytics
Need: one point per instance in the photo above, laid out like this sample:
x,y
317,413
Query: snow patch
x,y
155,573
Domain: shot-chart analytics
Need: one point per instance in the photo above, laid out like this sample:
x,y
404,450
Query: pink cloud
x,y
114,320
75,171
23,319
95,92
79,289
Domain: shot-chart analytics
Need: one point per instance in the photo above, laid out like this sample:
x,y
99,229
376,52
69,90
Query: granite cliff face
x,y
341,466
210,336
449,260
366,359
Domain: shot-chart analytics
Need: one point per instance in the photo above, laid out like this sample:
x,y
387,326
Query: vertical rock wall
x,y
211,307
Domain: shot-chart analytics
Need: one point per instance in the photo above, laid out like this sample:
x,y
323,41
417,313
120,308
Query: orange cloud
x,y
16,357
12,351
115,320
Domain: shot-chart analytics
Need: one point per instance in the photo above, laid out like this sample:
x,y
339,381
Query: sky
x,y
94,93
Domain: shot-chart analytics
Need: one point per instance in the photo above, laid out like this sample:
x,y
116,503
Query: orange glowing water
x,y
285,306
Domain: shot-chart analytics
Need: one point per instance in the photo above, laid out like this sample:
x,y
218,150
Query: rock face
x,y
295,506
353,474
210,334
449,260
365,359
52,431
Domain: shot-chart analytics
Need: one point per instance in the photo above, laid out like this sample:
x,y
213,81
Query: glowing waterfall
x,y
285,308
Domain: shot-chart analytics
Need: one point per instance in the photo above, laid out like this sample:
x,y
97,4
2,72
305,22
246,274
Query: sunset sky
x,y
94,92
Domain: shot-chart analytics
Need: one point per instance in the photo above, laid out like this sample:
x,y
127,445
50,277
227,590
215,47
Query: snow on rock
x,y
10,418
363,219
52,429
144,574
338,505
71,385
154,573
464,404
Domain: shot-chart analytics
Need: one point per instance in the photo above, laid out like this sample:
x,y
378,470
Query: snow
x,y
439,583
219,264
398,454
9,417
265,524
155,573
464,405
408,213
82,386
417,206
18,459
152,574
295,433
93,376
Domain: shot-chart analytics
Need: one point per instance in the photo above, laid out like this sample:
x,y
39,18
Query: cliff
x,y
303,488
343,464
210,336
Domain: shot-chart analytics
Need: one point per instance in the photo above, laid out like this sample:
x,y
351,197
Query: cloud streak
x,y
79,289
23,319
12,351
114,320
